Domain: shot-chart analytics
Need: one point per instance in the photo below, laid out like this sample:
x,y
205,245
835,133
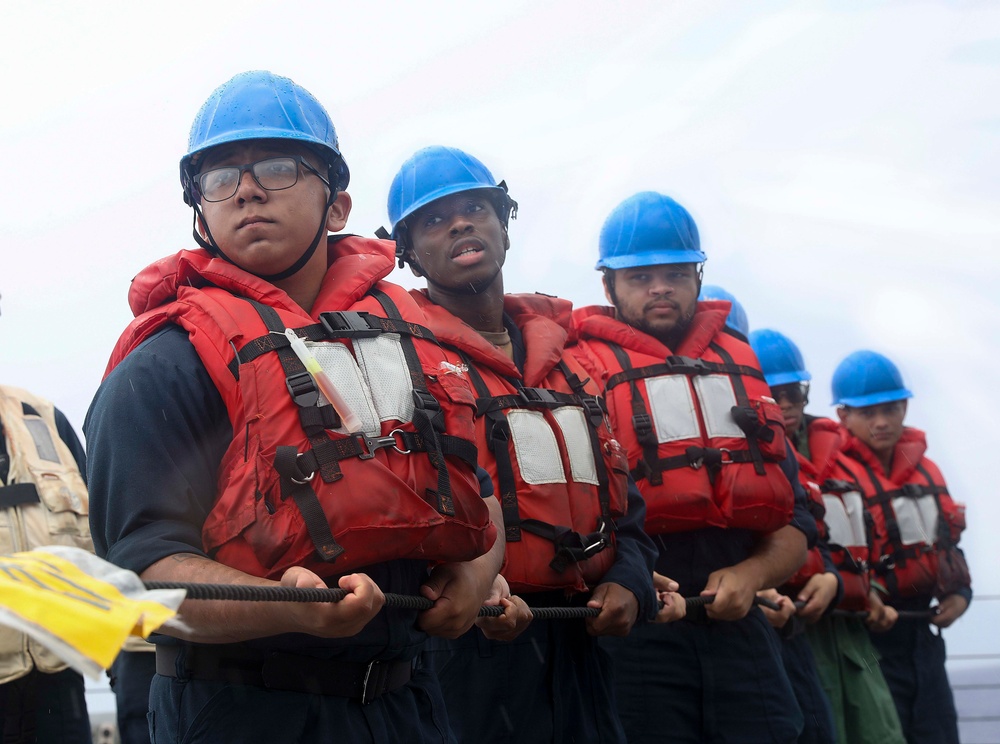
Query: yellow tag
x,y
54,596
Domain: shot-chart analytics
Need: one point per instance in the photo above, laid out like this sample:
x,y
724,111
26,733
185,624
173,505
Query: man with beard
x,y
573,518
707,449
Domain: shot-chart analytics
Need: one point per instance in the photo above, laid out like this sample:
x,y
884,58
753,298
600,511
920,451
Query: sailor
x,y
915,555
275,415
706,446
573,517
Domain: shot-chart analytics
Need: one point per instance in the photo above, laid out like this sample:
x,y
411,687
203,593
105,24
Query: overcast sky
x,y
840,160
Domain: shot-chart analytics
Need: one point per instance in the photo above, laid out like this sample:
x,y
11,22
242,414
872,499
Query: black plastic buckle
x,y
642,425
835,485
423,400
345,324
594,411
696,366
537,396
912,490
302,389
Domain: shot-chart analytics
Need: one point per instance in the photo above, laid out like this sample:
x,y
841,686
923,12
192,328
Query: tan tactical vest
x,y
43,502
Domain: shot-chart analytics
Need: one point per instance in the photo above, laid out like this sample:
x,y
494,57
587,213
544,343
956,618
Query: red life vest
x,y
561,478
704,437
840,514
916,522
294,488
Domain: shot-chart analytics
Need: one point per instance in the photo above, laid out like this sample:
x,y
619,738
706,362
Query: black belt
x,y
275,670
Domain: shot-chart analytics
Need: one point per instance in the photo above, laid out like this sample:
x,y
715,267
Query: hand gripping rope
x,y
245,593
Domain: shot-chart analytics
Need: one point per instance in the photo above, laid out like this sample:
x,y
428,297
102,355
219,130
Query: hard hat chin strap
x,y
212,247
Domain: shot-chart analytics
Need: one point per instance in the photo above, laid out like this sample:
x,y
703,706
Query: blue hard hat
x,y
737,318
867,378
260,105
780,359
435,172
648,229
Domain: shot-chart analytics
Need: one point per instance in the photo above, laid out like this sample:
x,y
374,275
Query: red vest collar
x,y
600,322
356,264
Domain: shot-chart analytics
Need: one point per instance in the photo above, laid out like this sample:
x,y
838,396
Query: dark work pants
x,y
800,665
704,682
550,685
44,709
131,675
200,712
912,662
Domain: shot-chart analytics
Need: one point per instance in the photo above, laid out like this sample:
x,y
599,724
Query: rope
x,y
863,614
251,593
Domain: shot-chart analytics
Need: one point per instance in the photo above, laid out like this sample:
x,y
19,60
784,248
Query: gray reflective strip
x,y
672,408
339,365
384,365
717,398
44,445
576,434
845,519
535,447
917,519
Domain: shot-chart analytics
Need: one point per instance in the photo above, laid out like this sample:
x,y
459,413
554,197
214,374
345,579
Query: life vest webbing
x,y
294,483
594,410
497,436
17,494
898,553
681,365
744,415
650,466
428,418
332,325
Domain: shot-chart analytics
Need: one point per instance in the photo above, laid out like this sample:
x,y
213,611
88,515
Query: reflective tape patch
x,y
44,445
384,365
535,447
576,434
672,408
917,519
717,398
845,519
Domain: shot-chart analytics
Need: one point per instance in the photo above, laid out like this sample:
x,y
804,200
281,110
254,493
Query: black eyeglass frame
x,y
199,192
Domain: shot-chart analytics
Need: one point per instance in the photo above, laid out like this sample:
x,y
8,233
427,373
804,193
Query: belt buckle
x,y
373,684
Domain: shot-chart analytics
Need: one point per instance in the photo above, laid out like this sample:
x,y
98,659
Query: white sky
x,y
840,160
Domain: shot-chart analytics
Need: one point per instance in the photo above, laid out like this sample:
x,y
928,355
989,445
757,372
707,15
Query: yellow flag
x,y
78,605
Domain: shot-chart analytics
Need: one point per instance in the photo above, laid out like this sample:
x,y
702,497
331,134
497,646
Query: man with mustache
x,y
706,447
915,553
573,518
275,416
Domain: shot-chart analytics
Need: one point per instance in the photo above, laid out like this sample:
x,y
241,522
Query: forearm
x,y
488,565
776,557
218,621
